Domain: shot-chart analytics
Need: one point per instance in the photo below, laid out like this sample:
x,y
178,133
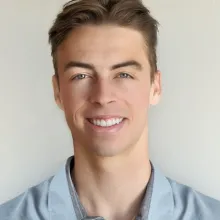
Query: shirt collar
x,y
162,201
64,204
60,203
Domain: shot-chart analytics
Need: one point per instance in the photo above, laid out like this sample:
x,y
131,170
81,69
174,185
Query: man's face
x,y
105,88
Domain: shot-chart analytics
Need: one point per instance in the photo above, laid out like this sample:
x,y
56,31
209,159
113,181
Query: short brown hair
x,y
126,13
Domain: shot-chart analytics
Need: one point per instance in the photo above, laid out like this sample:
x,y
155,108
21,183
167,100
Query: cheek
x,y
73,97
138,96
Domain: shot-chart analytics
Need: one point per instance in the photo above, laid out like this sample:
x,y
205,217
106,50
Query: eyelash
x,y
76,77
129,76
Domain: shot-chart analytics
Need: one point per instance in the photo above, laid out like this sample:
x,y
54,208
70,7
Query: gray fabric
x,y
81,212
145,207
79,209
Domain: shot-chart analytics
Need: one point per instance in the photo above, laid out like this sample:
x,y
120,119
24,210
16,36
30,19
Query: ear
x,y
155,93
56,89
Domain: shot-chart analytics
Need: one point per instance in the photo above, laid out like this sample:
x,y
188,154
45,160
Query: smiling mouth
x,y
106,122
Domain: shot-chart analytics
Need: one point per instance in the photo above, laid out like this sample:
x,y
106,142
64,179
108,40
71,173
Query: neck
x,y
112,187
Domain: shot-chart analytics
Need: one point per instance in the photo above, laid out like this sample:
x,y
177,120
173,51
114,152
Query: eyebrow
x,y
126,64
76,64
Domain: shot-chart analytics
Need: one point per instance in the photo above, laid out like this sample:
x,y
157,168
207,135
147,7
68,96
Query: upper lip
x,y
105,117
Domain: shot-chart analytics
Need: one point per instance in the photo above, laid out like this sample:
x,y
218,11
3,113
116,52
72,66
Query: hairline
x,y
105,23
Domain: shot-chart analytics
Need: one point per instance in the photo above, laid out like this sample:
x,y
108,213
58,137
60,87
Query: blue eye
x,y
124,75
80,76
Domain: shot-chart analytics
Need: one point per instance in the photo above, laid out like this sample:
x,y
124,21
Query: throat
x,y
112,194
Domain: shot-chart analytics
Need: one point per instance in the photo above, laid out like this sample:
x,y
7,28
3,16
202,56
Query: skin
x,y
114,83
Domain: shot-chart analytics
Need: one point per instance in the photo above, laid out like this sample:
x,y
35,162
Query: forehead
x,y
103,45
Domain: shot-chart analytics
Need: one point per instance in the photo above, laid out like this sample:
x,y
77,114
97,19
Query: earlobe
x,y
56,90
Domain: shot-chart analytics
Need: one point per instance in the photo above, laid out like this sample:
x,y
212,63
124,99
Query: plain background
x,y
184,128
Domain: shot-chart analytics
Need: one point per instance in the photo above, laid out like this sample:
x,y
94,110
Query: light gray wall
x,y
184,128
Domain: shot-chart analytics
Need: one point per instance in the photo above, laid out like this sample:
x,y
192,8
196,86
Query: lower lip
x,y
111,129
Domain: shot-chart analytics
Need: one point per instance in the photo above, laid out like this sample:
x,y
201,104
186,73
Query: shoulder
x,y
28,205
190,204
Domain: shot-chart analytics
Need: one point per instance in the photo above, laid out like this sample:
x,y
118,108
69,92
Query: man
x,y
106,78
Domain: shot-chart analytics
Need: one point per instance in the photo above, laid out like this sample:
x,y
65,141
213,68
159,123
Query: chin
x,y
107,153
108,150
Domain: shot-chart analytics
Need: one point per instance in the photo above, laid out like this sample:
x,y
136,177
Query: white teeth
x,y
98,122
106,123
103,123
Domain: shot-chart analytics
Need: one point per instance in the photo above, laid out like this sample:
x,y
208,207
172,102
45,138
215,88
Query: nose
x,y
102,92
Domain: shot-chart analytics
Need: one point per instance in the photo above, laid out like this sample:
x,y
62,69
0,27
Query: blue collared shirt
x,y
56,199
